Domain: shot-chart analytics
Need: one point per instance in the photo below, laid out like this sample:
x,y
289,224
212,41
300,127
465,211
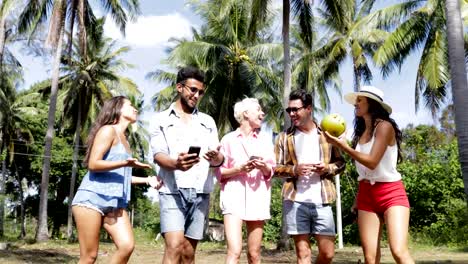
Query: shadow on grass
x,y
35,256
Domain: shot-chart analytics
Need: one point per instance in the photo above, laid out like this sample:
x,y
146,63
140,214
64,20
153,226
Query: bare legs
x,y
117,224
397,219
233,229
178,248
326,248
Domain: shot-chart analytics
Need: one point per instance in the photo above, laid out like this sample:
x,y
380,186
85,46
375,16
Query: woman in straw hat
x,y
381,197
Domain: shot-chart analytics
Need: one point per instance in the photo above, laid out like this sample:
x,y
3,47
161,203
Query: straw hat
x,y
370,92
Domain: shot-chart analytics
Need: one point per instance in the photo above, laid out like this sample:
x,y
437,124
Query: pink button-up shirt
x,y
246,195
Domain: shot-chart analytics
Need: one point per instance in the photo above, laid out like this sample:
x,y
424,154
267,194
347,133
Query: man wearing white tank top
x,y
307,163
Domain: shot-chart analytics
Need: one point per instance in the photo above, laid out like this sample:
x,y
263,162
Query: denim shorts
x,y
308,218
184,211
97,202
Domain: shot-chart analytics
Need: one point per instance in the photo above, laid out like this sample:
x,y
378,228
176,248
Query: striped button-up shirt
x,y
286,161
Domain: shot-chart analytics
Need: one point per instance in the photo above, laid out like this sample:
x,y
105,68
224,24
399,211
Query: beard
x,y
185,104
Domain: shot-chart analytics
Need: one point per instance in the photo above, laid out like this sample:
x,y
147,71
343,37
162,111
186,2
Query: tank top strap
x,y
375,130
117,133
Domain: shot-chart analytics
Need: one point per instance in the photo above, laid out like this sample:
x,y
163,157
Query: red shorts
x,y
379,197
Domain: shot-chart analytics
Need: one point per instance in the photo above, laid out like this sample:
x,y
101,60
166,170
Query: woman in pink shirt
x,y
245,181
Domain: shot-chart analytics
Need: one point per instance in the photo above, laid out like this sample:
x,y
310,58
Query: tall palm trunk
x,y
42,233
2,197
3,176
21,200
287,57
459,83
357,76
283,242
2,39
74,171
82,32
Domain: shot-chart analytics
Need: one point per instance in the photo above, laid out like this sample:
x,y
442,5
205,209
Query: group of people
x,y
304,156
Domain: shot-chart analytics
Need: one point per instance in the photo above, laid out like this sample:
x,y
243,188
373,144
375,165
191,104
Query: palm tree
x,y
352,33
14,127
37,12
302,10
235,65
313,71
138,134
459,83
423,25
86,83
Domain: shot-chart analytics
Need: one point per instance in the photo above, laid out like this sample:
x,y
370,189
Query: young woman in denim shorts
x,y
104,193
381,197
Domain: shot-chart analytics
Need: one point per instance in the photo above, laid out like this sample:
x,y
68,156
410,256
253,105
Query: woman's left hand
x,y
261,165
155,182
132,162
335,141
214,156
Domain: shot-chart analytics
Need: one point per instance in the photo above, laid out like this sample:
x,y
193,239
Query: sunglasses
x,y
194,90
293,109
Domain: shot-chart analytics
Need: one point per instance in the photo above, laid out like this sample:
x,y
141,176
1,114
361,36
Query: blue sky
x,y
161,20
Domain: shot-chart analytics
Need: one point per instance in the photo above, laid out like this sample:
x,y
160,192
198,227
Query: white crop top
x,y
385,170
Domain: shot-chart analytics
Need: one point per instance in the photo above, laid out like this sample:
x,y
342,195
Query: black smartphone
x,y
254,157
194,149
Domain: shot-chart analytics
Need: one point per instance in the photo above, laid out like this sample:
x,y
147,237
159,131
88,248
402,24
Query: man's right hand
x,y
186,161
303,169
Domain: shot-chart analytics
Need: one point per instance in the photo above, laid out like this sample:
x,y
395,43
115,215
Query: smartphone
x,y
254,157
194,149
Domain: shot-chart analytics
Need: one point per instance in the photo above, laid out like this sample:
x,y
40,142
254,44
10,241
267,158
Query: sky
x,y
161,20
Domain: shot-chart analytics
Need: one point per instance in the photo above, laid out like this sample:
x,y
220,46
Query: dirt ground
x,y
61,252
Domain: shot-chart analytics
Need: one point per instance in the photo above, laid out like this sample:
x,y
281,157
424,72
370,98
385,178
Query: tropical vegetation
x,y
243,55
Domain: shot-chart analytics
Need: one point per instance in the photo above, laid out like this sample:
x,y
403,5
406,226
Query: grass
x,y
148,250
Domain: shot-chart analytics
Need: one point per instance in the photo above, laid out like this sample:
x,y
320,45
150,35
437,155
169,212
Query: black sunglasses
x,y
194,90
293,109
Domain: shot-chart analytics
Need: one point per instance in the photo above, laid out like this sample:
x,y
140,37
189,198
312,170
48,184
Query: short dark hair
x,y
301,94
190,72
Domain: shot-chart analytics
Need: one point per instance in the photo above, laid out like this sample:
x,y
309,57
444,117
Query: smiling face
x,y
299,114
254,116
361,106
190,91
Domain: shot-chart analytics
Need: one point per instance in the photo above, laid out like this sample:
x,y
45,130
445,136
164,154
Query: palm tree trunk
x,y
459,83
21,200
3,177
2,198
2,40
287,58
42,233
284,242
357,76
82,32
74,171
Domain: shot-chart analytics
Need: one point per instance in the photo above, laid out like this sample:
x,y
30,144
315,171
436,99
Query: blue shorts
x,y
100,203
308,218
184,211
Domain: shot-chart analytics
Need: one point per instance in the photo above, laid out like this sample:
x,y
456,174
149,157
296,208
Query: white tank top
x,y
385,170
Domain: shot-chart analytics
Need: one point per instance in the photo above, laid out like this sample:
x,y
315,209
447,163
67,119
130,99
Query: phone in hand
x,y
254,157
194,149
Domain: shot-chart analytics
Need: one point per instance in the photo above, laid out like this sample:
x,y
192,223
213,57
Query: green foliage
x,y
146,215
272,228
432,176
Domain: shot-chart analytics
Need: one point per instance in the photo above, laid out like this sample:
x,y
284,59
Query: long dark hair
x,y
377,112
109,115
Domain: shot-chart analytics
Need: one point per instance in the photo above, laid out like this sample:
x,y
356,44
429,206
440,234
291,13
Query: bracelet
x,y
219,165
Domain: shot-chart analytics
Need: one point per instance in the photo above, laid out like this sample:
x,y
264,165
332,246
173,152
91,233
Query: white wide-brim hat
x,y
370,92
